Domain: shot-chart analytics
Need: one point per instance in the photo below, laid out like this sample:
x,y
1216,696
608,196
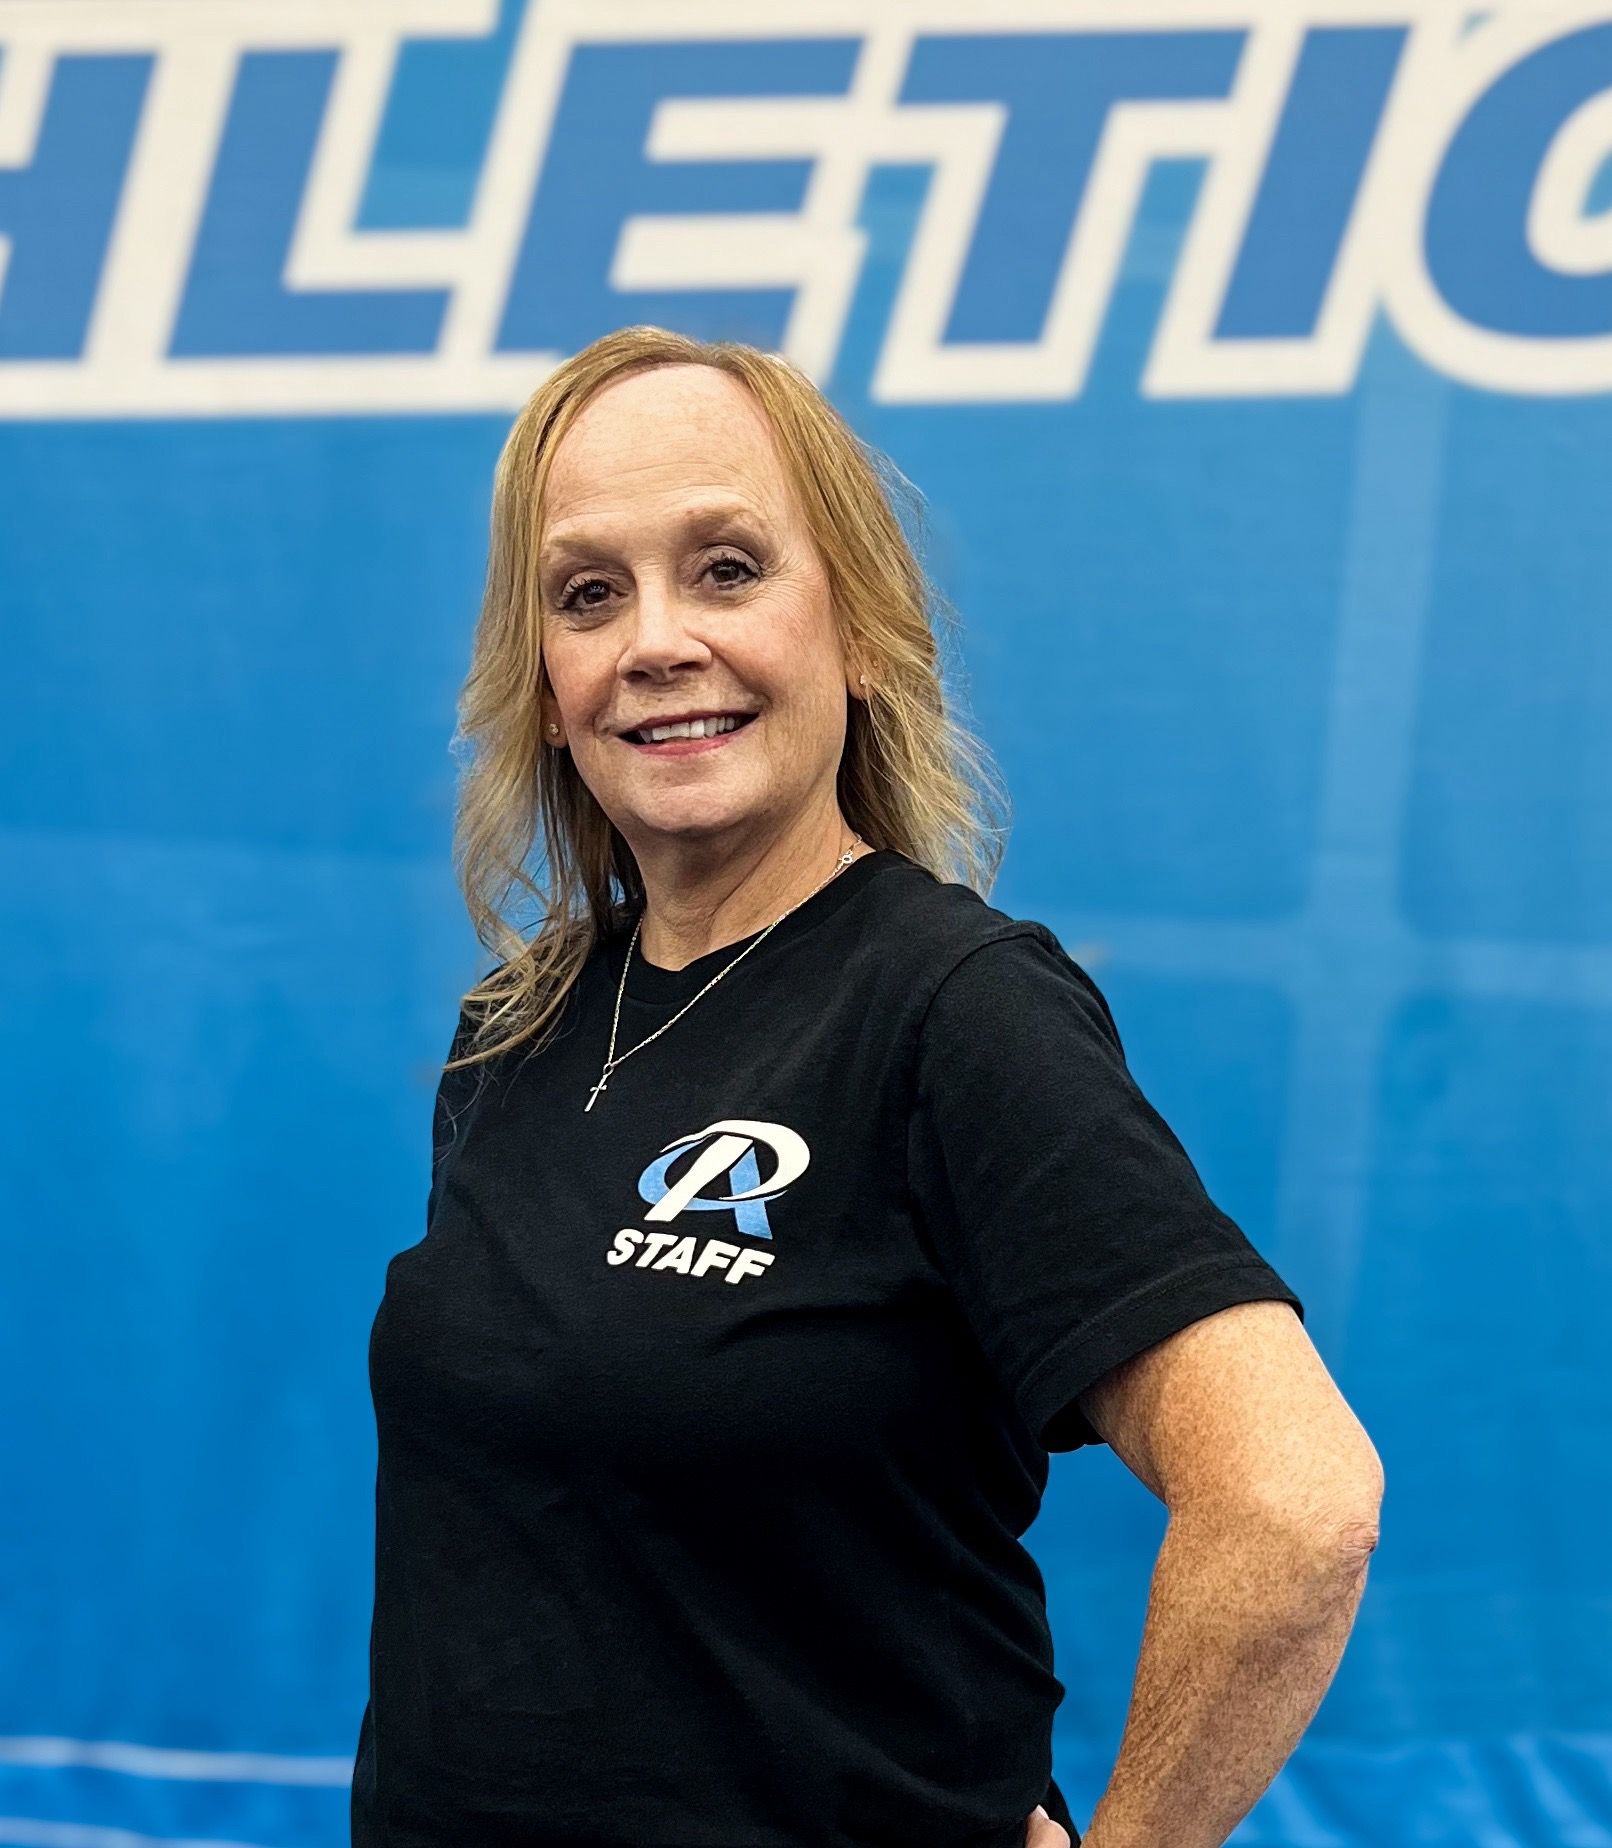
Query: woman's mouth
x,y
685,743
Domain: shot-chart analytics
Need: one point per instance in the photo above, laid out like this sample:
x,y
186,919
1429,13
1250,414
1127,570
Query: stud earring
x,y
554,728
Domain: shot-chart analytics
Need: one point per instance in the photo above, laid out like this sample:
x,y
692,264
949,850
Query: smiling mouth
x,y
730,723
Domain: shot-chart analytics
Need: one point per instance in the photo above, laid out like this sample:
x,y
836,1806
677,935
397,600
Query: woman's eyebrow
x,y
710,517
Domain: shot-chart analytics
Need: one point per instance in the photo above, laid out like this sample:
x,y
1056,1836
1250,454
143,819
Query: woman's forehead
x,y
688,412
647,444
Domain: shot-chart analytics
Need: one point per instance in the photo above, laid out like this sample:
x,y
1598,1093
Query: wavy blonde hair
x,y
911,777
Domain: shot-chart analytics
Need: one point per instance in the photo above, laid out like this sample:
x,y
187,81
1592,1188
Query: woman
x,y
790,1204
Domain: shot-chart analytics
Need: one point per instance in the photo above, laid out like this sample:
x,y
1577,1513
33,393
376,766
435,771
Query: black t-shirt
x,y
710,1419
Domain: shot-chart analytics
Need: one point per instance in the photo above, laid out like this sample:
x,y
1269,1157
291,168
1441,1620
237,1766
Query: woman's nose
x,y
660,634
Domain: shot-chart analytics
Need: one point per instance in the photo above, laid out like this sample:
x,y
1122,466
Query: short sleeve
x,y
457,1091
1064,1212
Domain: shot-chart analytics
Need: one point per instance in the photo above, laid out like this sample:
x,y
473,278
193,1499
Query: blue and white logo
x,y
728,1155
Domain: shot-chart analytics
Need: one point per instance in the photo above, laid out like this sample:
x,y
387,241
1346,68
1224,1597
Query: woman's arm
x,y
1244,1631
1274,1491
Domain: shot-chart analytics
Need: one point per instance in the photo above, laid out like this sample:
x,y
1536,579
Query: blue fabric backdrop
x,y
1256,369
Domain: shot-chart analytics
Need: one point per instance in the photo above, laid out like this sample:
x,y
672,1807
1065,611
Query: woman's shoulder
x,y
940,927
928,925
535,980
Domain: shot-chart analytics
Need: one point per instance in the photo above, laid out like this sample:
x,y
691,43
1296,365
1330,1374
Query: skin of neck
x,y
702,895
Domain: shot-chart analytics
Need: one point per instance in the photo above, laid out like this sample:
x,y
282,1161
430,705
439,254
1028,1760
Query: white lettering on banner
x,y
184,193
714,1255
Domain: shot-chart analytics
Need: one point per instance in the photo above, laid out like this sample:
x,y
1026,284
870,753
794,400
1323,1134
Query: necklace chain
x,y
611,1061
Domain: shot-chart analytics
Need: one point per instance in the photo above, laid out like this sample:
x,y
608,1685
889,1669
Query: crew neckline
x,y
654,986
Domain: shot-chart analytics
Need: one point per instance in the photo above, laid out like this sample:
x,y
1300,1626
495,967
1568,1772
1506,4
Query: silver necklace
x,y
611,1061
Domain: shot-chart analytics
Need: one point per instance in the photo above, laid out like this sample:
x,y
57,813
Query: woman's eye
x,y
570,597
577,594
727,558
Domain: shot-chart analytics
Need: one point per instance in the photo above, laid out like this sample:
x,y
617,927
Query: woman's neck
x,y
689,918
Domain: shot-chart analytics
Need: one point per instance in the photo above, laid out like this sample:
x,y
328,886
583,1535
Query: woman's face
x,y
677,577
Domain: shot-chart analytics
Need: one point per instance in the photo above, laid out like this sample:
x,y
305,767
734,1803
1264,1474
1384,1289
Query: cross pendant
x,y
603,1081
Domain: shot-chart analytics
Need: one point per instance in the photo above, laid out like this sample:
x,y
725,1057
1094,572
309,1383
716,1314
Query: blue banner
x,y
1256,363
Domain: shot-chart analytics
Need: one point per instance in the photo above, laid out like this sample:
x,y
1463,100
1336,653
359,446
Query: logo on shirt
x,y
729,1153
724,1177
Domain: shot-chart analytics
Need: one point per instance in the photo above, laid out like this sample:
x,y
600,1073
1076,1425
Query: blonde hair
x,y
910,777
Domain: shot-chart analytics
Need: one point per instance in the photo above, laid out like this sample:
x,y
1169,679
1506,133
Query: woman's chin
x,y
688,820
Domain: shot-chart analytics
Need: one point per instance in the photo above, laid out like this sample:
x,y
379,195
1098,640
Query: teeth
x,y
690,728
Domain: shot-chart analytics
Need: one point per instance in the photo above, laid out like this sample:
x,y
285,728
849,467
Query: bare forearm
x,y
1244,1630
